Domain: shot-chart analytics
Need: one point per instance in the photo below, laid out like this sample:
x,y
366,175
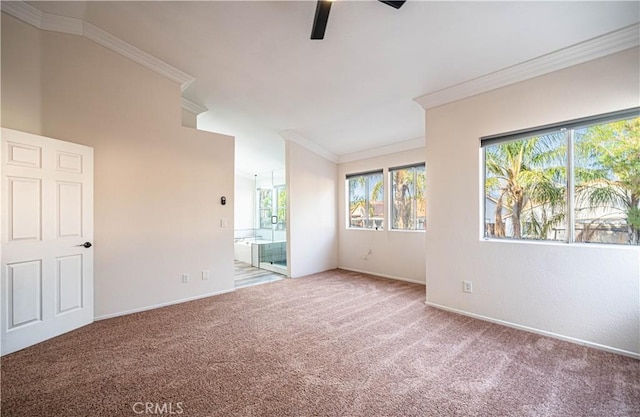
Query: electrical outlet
x,y
467,286
205,275
185,278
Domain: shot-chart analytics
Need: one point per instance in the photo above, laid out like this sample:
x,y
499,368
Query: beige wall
x,y
245,203
585,293
394,254
312,222
21,95
157,184
189,119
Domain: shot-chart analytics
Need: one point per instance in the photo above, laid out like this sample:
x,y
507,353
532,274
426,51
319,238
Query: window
x,y
408,206
281,207
272,207
577,181
366,206
265,207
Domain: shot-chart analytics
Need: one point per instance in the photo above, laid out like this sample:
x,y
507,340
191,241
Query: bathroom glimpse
x,y
264,246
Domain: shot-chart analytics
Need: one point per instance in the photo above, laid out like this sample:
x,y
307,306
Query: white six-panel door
x,y
47,216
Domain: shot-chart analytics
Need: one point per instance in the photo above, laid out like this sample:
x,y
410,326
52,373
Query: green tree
x,y
363,191
608,171
356,196
408,194
527,180
376,193
281,211
265,207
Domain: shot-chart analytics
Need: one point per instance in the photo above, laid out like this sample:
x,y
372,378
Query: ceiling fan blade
x,y
395,4
321,18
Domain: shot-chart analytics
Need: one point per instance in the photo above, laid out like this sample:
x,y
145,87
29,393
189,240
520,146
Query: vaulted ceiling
x,y
259,74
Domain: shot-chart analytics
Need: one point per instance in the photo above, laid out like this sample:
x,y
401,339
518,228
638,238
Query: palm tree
x,y
608,173
376,192
402,197
356,198
364,190
408,194
527,180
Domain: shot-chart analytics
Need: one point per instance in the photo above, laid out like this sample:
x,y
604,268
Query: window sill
x,y
561,243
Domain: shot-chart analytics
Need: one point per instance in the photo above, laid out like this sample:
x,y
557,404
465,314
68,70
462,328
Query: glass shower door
x,y
271,231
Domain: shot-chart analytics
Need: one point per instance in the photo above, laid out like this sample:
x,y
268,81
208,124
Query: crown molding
x,y
610,43
21,10
293,136
192,107
63,24
383,150
137,55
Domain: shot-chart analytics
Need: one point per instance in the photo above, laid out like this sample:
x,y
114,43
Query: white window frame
x,y
366,174
568,127
391,205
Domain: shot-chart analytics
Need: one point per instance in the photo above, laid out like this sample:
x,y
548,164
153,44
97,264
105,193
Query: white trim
x,y
375,274
310,274
21,10
165,304
192,107
406,145
598,47
61,24
290,135
56,23
137,55
538,331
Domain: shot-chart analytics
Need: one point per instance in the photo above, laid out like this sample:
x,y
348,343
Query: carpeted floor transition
x,y
332,344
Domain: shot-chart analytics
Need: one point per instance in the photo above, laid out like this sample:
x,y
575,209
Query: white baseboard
x,y
413,281
538,331
168,303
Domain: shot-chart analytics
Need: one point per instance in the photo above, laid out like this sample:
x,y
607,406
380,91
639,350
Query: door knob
x,y
86,245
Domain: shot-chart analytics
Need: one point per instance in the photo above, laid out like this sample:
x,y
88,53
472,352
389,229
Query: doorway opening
x,y
261,251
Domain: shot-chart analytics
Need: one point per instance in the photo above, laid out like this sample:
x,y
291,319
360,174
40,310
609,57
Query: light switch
x,y
224,222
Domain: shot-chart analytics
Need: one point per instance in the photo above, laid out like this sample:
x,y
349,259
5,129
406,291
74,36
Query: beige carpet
x,y
333,344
